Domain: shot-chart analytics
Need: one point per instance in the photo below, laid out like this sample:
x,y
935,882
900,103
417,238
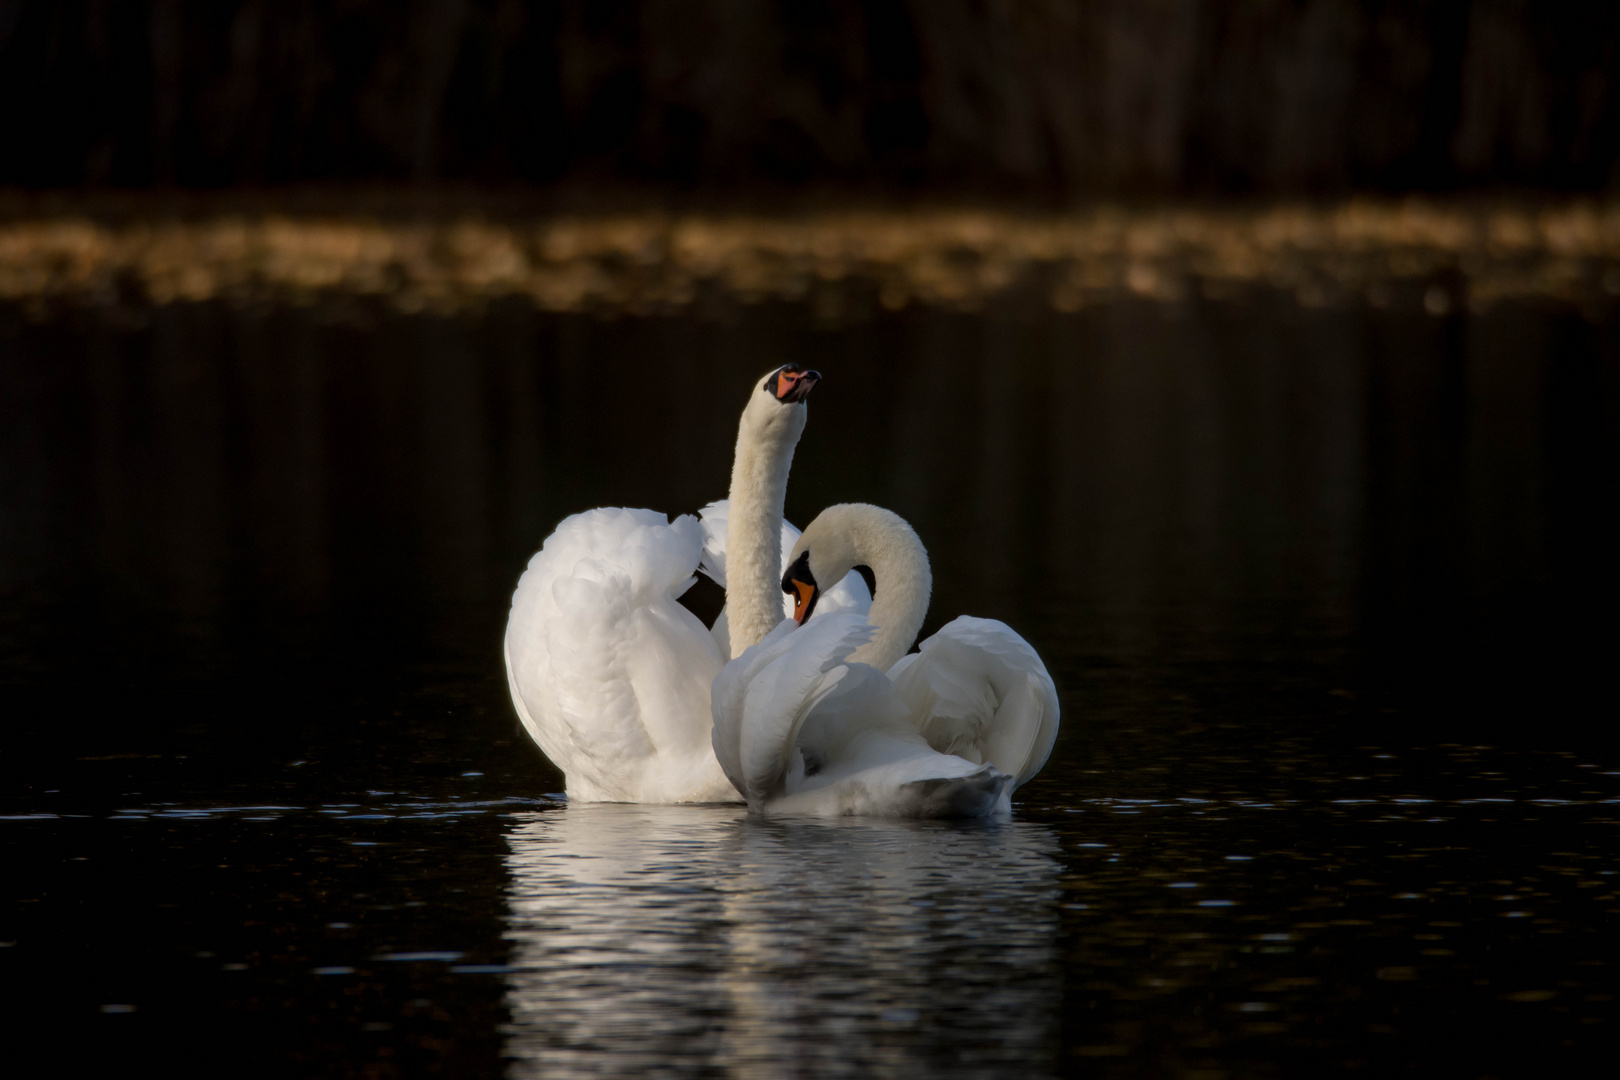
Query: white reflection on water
x,y
681,940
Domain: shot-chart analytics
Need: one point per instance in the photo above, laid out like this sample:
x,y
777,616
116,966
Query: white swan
x,y
829,715
610,674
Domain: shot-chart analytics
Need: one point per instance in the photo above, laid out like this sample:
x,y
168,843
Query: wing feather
x,y
761,698
980,691
609,672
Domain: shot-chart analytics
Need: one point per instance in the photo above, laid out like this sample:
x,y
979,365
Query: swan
x,y
609,673
830,715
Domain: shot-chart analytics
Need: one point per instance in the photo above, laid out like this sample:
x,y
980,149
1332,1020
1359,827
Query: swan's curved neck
x,y
766,439
884,542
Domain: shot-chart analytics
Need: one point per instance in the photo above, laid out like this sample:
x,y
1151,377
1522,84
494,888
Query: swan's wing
x,y
979,691
761,698
851,594
713,561
897,774
802,731
609,673
721,630
859,753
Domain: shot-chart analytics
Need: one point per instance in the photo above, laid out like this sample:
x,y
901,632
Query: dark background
x,y
1028,98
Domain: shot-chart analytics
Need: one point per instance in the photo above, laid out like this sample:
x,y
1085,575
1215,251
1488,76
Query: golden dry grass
x,y
1473,253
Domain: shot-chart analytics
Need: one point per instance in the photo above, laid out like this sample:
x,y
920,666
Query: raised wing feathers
x,y
981,692
610,673
761,698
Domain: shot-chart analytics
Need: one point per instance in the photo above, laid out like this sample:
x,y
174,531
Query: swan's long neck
x,y
759,475
899,562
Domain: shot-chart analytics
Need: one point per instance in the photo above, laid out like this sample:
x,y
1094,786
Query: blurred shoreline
x,y
456,251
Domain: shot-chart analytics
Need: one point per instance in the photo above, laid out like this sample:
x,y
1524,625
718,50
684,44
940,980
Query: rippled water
x,y
1336,789
649,939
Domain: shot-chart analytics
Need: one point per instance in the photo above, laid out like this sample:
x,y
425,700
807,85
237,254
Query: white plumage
x,y
609,672
633,698
951,731
979,691
851,594
801,726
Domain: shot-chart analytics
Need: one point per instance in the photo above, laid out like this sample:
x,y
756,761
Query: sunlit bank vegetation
x,y
1442,256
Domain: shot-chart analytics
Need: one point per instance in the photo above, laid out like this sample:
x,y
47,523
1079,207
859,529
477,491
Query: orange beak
x,y
803,595
793,385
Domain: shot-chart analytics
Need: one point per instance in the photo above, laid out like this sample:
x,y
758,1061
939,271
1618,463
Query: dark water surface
x,y
1328,596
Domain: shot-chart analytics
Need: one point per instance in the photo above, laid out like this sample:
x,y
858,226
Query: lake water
x,y
1328,595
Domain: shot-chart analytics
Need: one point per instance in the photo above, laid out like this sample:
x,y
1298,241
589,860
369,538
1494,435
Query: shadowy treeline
x,y
1047,97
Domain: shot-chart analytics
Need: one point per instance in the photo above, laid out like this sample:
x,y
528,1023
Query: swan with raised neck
x,y
771,424
852,535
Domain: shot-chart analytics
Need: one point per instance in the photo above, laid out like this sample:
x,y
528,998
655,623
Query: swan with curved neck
x,y
830,715
849,535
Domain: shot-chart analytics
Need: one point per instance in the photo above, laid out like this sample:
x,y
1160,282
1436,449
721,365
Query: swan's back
x,y
609,673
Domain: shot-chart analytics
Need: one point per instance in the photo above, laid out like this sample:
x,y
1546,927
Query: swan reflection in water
x,y
693,939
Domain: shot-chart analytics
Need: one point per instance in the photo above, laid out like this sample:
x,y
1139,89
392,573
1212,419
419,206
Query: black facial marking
x,y
870,579
772,383
800,571
801,382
